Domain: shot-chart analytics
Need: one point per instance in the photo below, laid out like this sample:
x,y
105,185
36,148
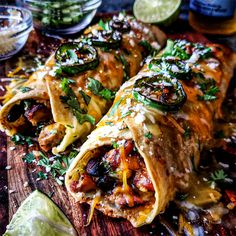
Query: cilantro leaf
x,y
148,47
115,144
29,158
25,89
203,51
109,123
126,114
42,175
97,88
209,94
126,65
218,175
104,25
21,139
71,100
176,49
148,135
114,107
85,97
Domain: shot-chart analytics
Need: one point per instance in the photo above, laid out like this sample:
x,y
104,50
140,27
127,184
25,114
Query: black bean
x,y
92,167
106,183
15,113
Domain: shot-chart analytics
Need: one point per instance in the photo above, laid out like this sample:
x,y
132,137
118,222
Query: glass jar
x,y
213,16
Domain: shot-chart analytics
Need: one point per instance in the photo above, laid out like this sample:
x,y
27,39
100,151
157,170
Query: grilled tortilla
x,y
146,147
42,109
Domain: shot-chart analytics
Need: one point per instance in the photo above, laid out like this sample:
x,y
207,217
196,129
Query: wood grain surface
x,y
20,180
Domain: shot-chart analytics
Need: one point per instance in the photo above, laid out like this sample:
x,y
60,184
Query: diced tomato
x,y
232,196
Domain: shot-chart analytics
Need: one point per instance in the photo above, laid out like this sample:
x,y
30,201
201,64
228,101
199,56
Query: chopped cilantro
x,y
126,65
58,72
97,88
198,75
218,176
104,25
115,144
115,106
148,135
44,162
126,114
176,49
71,100
203,51
21,139
27,104
109,123
25,89
29,158
85,97
209,94
148,47
70,126
42,175
207,86
56,165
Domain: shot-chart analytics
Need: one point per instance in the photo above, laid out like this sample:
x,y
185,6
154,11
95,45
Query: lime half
x,y
39,216
157,11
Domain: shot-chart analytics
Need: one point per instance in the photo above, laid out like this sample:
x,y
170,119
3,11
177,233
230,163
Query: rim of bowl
x,y
86,3
27,19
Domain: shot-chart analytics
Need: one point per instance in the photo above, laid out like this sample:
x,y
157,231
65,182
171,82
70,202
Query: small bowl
x,y
15,26
59,17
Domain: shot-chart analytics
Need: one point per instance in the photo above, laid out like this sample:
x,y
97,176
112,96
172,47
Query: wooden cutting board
x,y
20,180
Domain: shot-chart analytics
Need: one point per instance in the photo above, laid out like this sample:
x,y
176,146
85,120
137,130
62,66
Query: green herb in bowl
x,y
62,17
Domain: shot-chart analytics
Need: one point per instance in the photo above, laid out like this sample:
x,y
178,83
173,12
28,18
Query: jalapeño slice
x,y
174,67
120,25
76,57
106,38
160,92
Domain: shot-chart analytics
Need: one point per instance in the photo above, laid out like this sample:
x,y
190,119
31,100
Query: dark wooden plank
x,y
3,184
22,180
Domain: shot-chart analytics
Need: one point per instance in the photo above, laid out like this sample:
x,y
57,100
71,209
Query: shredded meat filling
x,y
51,135
38,113
123,182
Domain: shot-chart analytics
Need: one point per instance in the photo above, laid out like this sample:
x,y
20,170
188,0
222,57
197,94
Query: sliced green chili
x,y
160,92
76,57
106,38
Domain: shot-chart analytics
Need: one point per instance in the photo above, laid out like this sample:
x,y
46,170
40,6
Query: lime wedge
x,y
39,216
157,11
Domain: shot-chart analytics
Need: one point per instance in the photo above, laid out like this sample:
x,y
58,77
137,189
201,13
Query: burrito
x,y
145,148
62,101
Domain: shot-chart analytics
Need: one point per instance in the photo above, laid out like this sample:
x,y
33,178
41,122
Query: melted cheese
x,y
92,207
125,169
74,130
